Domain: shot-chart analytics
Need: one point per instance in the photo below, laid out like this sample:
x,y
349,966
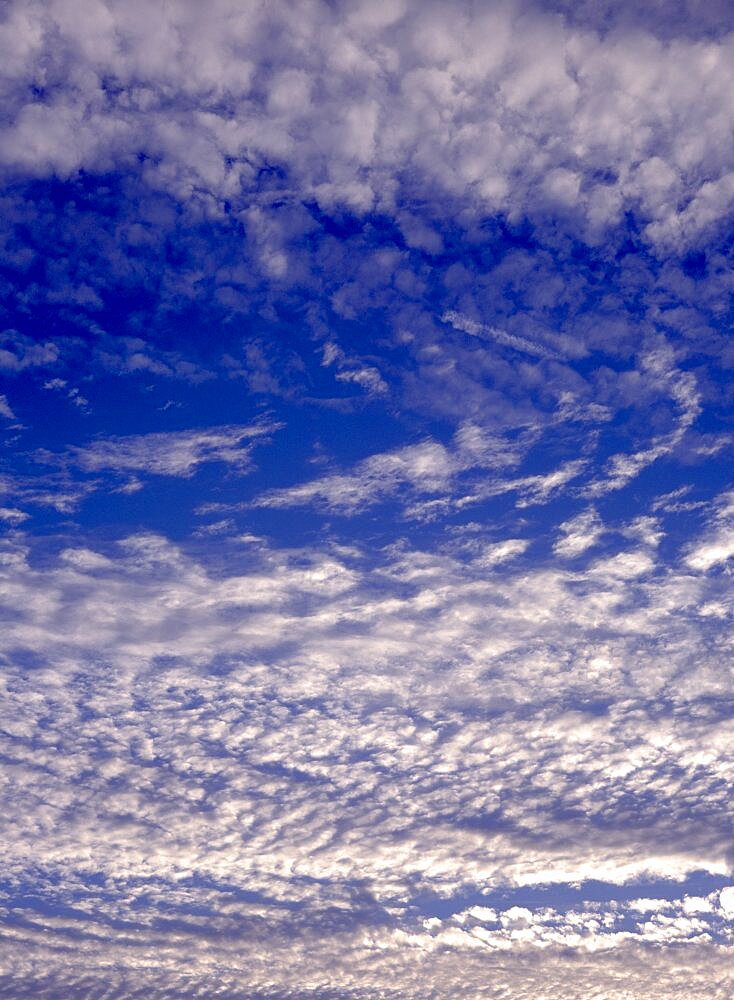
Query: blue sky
x,y
366,502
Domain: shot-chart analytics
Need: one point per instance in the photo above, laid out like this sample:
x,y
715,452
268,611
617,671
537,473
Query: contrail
x,y
461,322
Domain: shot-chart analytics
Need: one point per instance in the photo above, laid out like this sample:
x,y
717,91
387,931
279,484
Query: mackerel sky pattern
x,y
366,500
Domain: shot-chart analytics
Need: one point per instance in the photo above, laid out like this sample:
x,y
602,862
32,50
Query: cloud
x,y
495,146
18,353
439,478
579,534
659,371
5,408
166,453
429,469
470,326
425,468
467,100
133,355
717,546
503,551
12,515
352,370
403,755
237,760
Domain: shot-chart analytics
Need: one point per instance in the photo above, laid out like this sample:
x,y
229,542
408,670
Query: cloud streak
x,y
474,329
167,453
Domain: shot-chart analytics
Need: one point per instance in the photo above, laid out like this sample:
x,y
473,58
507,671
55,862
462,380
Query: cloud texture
x,y
513,108
367,518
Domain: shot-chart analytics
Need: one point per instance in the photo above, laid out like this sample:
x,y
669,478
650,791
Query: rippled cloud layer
x,y
365,491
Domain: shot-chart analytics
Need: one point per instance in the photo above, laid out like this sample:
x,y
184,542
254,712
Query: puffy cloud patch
x,y
717,546
468,101
579,534
223,744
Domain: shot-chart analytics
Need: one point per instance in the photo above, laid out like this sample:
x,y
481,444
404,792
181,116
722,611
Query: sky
x,y
366,500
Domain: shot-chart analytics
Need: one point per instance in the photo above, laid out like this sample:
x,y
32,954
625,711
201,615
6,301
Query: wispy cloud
x,y
717,545
579,534
622,468
428,467
18,353
166,453
486,332
6,409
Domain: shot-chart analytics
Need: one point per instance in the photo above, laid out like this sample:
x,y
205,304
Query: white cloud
x,y
661,375
431,469
718,549
500,552
511,109
427,467
167,453
5,408
579,534
19,353
475,329
717,545
221,744
351,369
726,901
12,515
538,489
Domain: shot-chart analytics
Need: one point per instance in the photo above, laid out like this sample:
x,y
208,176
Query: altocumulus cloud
x,y
365,577
344,96
214,747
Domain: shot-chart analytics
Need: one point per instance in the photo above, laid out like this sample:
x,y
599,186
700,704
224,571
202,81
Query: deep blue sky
x,y
366,499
